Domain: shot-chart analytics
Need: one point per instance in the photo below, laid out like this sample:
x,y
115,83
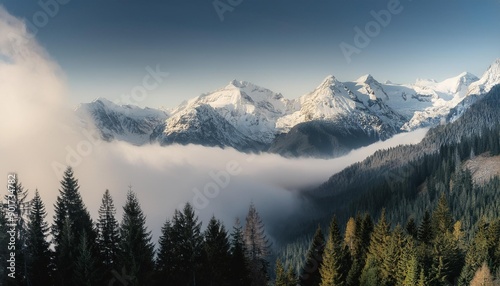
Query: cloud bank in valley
x,y
40,135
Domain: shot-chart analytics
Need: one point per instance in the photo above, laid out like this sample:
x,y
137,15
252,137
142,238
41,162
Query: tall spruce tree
x,y
85,265
291,277
108,235
70,210
350,235
310,275
411,272
424,233
38,260
136,251
479,250
377,252
216,254
411,228
165,262
239,272
66,255
363,230
336,258
442,221
281,276
187,238
393,268
257,246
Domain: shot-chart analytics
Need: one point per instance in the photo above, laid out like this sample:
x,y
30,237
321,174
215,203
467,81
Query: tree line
x,y
75,250
432,252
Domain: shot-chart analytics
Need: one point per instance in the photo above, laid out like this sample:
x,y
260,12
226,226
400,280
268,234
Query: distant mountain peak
x,y
329,84
494,68
425,81
490,78
367,78
467,74
240,83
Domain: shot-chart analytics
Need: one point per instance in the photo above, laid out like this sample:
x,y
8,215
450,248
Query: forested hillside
x,y
432,251
407,181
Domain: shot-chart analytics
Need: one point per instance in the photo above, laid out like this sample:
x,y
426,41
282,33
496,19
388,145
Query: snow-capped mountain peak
x,y
344,105
248,107
367,78
369,86
330,95
457,85
123,122
330,86
489,79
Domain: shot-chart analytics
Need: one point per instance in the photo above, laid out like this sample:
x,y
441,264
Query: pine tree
x,y
165,262
66,254
216,254
442,222
364,228
310,275
371,273
477,253
458,233
85,265
136,251
108,234
350,235
188,240
38,260
291,277
239,272
422,279
411,228
376,253
335,264
425,229
281,276
257,246
411,273
393,268
69,206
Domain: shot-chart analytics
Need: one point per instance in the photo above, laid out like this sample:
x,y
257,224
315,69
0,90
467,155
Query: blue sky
x,y
104,46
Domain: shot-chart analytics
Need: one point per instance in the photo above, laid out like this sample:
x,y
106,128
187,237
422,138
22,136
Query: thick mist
x,y
40,135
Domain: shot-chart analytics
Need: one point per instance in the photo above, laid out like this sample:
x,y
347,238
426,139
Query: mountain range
x,y
329,121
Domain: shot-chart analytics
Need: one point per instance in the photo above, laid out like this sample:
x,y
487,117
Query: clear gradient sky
x,y
104,46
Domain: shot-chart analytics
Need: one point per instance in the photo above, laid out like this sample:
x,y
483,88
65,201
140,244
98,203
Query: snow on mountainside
x,y
335,102
489,79
248,117
251,109
476,89
445,96
202,125
125,123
